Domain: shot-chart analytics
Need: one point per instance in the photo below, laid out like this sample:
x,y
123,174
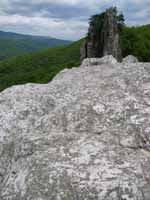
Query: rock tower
x,y
106,40
83,141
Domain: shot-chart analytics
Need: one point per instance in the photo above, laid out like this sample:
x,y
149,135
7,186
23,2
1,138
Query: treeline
x,y
136,41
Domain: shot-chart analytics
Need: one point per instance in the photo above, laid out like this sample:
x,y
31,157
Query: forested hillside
x,y
13,44
39,67
136,41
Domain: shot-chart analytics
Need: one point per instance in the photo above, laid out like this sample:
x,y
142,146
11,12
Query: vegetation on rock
x,y
96,22
103,35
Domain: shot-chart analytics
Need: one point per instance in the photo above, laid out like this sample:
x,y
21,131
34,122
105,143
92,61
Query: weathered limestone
x,y
108,41
85,135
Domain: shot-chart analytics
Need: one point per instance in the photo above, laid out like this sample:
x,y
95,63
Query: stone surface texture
x,y
83,136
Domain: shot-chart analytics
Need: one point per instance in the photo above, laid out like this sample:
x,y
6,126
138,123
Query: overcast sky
x,y
66,19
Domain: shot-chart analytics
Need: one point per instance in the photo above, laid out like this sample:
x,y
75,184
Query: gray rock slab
x,y
83,136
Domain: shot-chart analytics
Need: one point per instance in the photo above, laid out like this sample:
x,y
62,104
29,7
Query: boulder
x,y
83,136
98,61
130,59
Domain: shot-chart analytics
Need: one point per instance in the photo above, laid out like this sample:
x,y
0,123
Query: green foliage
x,y
96,23
136,41
39,67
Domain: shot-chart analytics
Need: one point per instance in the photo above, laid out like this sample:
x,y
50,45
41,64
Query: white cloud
x,y
66,19
45,26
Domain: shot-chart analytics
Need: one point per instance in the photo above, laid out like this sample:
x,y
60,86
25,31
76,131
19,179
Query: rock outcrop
x,y
106,40
85,135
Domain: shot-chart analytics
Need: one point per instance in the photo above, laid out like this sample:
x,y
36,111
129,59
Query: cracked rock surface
x,y
84,136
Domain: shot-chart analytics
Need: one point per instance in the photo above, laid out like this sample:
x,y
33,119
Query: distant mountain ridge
x,y
6,35
14,44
